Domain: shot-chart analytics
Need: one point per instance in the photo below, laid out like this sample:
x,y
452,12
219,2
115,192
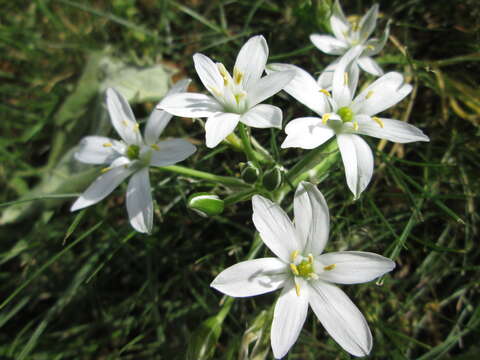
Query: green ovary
x,y
133,152
345,113
305,269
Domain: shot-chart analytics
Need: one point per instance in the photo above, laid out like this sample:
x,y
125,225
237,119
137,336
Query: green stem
x,y
239,196
247,146
225,180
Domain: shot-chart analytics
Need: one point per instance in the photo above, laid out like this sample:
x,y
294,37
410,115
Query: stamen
x,y
294,255
136,127
237,76
323,91
345,78
239,96
310,258
378,121
370,47
215,91
369,94
355,125
107,145
155,147
330,267
294,269
104,170
124,123
325,118
223,71
297,289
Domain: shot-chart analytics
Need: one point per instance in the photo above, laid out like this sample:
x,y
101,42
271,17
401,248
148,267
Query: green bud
x,y
206,204
273,178
250,173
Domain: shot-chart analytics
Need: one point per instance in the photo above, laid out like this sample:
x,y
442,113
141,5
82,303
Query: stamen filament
x,y
325,118
104,170
369,94
294,269
378,121
297,289
237,76
294,255
345,78
355,125
323,91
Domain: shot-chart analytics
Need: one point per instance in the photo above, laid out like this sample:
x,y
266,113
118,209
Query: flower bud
x,y
250,173
273,178
206,204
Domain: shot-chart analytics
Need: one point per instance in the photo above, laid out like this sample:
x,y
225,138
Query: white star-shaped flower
x,y
234,98
349,34
130,156
346,117
306,276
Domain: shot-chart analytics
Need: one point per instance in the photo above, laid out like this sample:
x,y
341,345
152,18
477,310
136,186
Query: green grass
x,y
85,286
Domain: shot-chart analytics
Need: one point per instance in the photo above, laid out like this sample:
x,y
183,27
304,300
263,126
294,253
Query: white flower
x,y
305,274
234,98
345,117
349,34
130,156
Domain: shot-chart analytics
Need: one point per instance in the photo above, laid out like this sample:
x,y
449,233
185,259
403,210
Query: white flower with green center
x,y
306,276
346,117
234,98
130,156
350,33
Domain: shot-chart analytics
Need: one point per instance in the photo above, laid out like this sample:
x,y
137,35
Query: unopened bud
x,y
273,178
250,173
206,204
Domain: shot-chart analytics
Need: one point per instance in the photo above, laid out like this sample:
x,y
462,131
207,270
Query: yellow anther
x,y
237,76
345,78
325,118
297,289
239,96
323,91
107,145
378,121
155,147
310,258
294,255
330,267
370,47
136,127
294,269
215,91
355,125
104,170
124,123
223,71
369,94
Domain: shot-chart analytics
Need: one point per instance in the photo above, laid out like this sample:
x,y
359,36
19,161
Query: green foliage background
x,y
85,286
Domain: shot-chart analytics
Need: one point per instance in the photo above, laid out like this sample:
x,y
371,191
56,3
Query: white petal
x,y
306,133
341,318
325,80
312,219
353,267
392,130
208,72
139,202
345,77
219,126
329,44
288,319
358,162
374,46
159,119
252,277
171,152
122,117
268,86
190,105
263,116
369,65
98,150
381,94
102,186
338,22
368,22
302,87
251,60
275,228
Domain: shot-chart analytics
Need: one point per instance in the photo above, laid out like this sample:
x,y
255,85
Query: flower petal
x,y
103,185
358,162
139,201
340,317
98,150
345,77
171,152
338,22
190,105
381,94
208,72
159,119
374,46
263,116
353,267
302,87
329,44
251,61
306,133
122,117
275,228
252,277
312,219
325,80
219,126
392,130
268,86
369,65
288,318
368,22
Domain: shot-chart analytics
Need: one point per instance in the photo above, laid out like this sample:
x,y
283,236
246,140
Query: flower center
x,y
304,268
345,113
133,152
